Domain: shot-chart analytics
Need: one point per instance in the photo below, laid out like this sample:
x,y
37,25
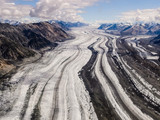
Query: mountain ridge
x,y
27,40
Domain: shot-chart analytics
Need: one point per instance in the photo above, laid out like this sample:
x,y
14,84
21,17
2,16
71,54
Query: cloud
x,y
66,10
27,0
145,15
9,10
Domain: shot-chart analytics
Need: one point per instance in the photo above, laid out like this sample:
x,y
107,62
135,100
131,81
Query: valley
x,y
94,76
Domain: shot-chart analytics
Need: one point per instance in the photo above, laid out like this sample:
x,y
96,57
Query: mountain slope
x,y
13,33
35,36
13,51
134,30
36,41
131,29
51,32
21,41
156,40
10,53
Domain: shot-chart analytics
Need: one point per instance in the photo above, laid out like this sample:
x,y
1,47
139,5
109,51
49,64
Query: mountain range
x,y
64,25
131,29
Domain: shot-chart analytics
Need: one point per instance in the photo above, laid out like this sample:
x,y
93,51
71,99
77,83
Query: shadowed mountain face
x,y
12,50
156,40
43,32
51,32
36,41
13,33
19,42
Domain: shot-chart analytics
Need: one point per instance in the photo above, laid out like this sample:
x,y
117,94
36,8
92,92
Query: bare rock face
x,y
5,67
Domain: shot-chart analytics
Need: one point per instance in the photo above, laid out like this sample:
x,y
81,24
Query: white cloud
x,y
66,10
9,10
146,15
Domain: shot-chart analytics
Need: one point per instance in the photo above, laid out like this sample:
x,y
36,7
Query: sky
x,y
91,11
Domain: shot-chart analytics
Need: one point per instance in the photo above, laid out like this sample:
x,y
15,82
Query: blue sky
x,y
87,10
111,10
26,2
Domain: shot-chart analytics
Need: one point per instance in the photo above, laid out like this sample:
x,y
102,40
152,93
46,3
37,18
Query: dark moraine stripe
x,y
102,106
